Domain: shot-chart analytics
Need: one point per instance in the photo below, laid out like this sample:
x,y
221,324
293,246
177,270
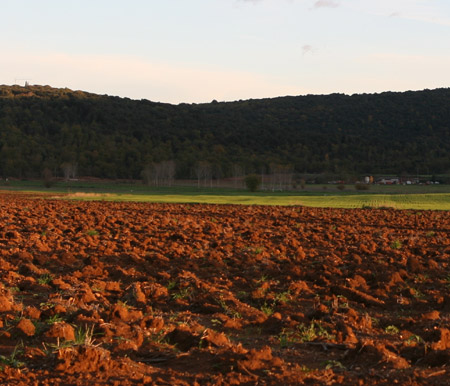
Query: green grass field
x,y
435,201
399,197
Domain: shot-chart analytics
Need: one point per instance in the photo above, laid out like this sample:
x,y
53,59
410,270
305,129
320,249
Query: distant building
x,y
389,181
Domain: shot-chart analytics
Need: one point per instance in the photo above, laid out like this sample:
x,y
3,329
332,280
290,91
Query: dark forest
x,y
74,132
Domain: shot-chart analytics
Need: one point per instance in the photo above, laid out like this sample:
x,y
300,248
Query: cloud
x,y
260,1
308,49
325,4
431,19
423,11
250,1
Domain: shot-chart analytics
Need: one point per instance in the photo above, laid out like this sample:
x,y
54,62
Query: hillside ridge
x,y
111,137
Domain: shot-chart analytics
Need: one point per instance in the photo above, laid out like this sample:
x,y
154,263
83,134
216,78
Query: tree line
x,y
73,133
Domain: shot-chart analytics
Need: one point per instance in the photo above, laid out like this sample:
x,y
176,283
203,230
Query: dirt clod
x,y
26,327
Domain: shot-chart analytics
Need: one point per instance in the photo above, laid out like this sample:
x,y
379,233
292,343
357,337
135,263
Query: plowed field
x,y
104,293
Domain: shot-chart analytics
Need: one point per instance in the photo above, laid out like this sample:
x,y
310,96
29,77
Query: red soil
x,y
97,293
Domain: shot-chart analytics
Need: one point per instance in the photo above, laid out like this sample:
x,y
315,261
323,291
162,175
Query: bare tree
x,y
168,172
203,172
147,174
217,173
281,176
69,170
238,175
159,174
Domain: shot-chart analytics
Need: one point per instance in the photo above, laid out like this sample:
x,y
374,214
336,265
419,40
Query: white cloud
x,y
326,4
254,2
419,10
308,49
433,19
395,14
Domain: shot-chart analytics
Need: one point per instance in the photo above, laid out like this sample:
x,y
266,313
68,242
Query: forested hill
x,y
110,137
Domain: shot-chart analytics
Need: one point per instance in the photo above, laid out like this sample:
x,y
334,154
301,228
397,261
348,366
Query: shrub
x,y
359,186
303,183
253,182
340,187
48,178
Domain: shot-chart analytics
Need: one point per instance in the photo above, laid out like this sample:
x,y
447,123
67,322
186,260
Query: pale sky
x,y
194,51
